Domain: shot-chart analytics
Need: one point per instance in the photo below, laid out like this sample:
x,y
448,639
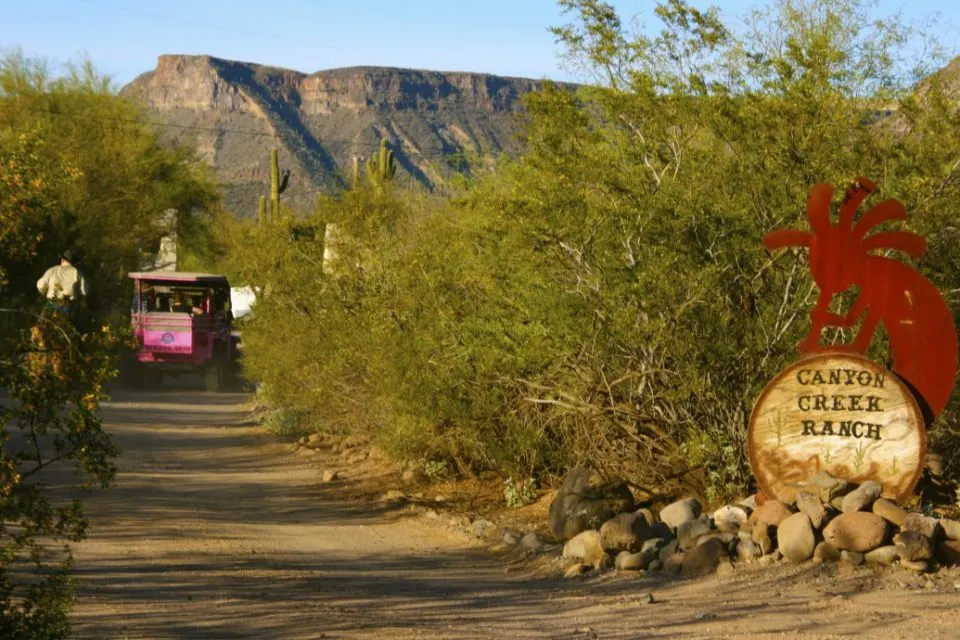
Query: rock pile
x,y
831,520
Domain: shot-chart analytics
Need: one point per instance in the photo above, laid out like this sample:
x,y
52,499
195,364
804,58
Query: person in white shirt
x,y
63,284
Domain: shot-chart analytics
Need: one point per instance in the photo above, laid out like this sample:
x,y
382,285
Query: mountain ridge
x,y
236,111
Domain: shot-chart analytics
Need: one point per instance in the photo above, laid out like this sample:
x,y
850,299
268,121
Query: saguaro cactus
x,y
274,185
382,166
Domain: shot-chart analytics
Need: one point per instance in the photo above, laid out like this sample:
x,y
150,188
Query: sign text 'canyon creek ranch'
x,y
840,413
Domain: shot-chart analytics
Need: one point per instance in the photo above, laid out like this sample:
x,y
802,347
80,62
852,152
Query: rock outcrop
x,y
234,112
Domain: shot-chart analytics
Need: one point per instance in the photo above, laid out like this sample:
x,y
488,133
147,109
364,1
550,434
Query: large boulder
x,y
795,538
859,531
585,501
625,532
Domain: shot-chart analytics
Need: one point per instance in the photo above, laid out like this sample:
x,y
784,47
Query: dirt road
x,y
216,530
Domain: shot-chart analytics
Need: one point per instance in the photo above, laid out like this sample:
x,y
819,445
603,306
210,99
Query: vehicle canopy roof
x,y
184,277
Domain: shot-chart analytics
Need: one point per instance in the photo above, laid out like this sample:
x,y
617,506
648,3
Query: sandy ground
x,y
217,530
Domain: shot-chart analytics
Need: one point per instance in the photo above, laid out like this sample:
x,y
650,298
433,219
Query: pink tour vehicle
x,y
183,324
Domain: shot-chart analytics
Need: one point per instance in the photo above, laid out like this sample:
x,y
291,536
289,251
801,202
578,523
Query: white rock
x,y
728,519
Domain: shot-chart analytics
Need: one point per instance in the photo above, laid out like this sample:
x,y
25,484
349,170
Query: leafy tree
x,y
76,171
111,212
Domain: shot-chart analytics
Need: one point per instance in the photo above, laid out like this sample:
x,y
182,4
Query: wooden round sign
x,y
840,413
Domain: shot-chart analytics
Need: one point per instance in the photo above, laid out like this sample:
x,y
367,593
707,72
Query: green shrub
x,y
605,298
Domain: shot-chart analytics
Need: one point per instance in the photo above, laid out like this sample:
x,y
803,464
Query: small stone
x,y
951,528
886,555
948,553
795,538
575,570
827,486
531,542
510,538
761,536
749,503
914,565
772,513
890,511
647,515
689,531
675,514
826,552
644,598
703,558
926,525
656,565
624,532
627,561
432,514
766,561
856,531
729,519
853,557
481,527
651,551
862,497
653,544
674,563
330,475
357,457
585,547
913,545
713,535
661,530
810,504
667,551
411,476
440,499
748,551
393,495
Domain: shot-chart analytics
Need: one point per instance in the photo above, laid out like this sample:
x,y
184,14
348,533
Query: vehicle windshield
x,y
180,297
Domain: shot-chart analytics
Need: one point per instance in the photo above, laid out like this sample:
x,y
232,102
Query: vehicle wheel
x,y
213,377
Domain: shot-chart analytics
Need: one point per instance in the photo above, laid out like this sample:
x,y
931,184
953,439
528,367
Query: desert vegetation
x,y
605,297
77,172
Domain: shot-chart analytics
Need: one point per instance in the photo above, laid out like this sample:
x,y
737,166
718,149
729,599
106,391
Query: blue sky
x,y
509,37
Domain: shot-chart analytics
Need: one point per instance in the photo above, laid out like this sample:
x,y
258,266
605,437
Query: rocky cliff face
x,y
235,112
